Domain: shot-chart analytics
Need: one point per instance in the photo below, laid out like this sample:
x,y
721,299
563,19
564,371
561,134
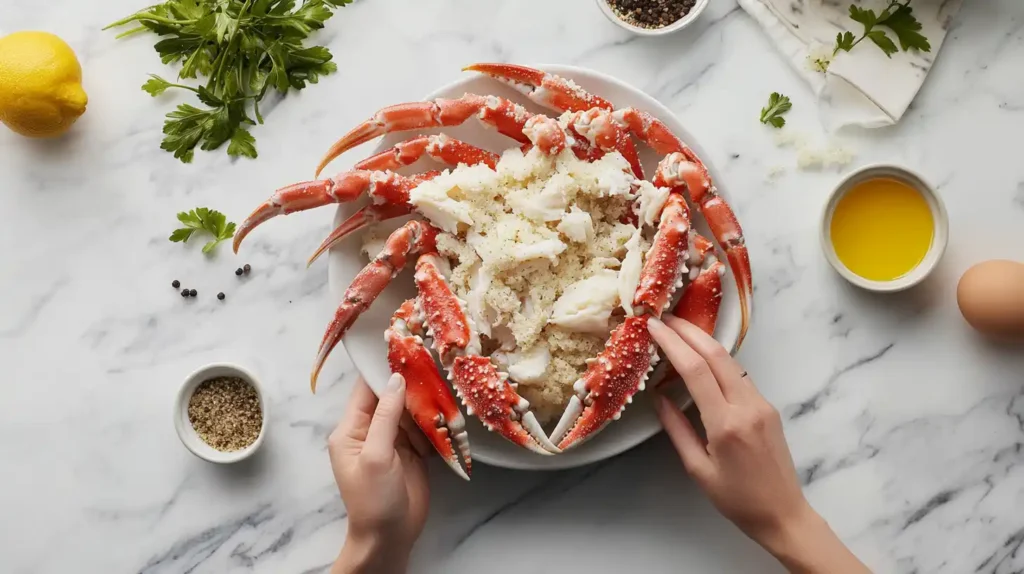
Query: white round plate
x,y
365,340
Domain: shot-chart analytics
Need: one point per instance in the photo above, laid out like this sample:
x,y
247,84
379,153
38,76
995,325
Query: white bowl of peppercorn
x,y
220,414
652,17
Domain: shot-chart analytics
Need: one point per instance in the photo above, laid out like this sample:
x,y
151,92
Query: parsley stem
x,y
144,16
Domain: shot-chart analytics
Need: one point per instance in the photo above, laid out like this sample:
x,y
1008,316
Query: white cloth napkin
x,y
861,87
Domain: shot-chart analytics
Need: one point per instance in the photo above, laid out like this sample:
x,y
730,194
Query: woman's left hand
x,y
382,476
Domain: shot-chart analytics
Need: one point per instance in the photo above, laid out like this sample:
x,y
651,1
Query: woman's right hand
x,y
745,466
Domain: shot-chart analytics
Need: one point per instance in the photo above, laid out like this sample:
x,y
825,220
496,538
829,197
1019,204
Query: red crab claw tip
x,y
609,384
362,133
265,211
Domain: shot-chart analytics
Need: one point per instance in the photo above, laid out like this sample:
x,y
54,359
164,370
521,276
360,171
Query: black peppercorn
x,y
184,292
238,271
246,268
651,13
175,283
220,295
192,293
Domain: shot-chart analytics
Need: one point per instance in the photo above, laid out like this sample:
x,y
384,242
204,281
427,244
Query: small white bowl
x,y
939,238
679,24
188,435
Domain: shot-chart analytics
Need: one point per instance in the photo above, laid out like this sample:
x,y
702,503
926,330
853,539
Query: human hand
x,y
382,475
745,466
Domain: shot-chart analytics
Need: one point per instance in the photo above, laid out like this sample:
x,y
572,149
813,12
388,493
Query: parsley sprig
x,y
897,17
243,49
777,106
203,219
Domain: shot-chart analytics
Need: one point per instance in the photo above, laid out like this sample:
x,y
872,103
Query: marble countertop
x,y
907,429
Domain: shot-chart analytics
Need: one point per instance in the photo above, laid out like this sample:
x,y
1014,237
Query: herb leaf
x,y
203,219
883,42
777,106
907,29
898,16
240,49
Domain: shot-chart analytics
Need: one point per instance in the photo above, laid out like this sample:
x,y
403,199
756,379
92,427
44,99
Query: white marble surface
x,y
907,430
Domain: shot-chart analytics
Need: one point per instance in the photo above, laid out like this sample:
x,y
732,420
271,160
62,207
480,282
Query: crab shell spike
x,y
607,385
507,117
416,236
428,399
548,90
497,404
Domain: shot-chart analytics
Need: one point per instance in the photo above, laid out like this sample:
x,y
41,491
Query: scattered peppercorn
x,y
184,292
175,283
651,13
238,271
246,268
226,413
221,295
192,293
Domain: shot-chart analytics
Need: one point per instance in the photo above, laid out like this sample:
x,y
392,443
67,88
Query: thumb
x,y
688,444
380,438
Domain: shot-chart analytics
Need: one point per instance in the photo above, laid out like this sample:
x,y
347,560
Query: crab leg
x,y
702,296
383,187
415,236
622,368
505,116
609,383
548,90
427,397
485,392
439,147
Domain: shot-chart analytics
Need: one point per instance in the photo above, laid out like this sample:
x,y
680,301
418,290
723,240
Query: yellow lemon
x,y
41,91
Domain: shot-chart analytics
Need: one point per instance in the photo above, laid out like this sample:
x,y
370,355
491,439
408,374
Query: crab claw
x,y
427,397
608,385
548,90
488,394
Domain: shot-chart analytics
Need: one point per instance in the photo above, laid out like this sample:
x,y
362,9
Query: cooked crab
x,y
646,278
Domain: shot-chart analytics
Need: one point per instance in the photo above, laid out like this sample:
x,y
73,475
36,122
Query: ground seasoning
x,y
651,13
225,411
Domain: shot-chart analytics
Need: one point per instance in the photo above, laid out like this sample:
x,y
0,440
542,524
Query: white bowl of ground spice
x,y
652,17
220,414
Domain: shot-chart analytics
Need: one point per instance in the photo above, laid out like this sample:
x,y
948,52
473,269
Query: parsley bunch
x,y
242,48
898,17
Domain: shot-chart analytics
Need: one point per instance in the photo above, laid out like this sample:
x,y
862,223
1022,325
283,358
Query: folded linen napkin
x,y
862,87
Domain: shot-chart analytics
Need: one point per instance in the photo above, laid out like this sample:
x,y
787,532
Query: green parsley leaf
x,y
863,15
907,29
883,42
777,105
155,85
204,219
844,41
242,143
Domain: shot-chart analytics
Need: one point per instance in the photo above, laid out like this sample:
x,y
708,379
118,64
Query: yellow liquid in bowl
x,y
882,229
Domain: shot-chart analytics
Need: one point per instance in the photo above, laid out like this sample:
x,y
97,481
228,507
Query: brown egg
x,y
991,298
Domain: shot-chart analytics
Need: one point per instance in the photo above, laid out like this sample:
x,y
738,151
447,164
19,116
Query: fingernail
x,y
654,324
395,383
